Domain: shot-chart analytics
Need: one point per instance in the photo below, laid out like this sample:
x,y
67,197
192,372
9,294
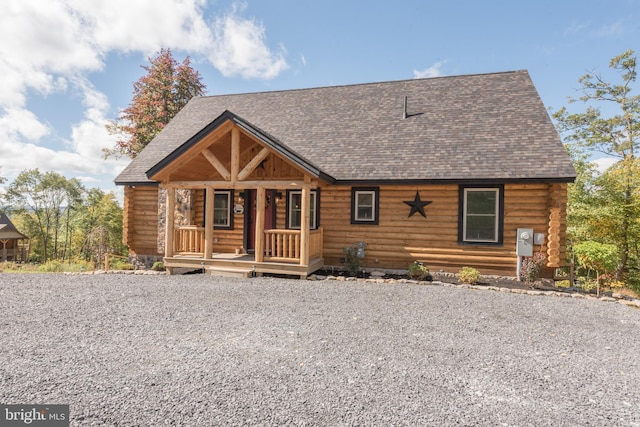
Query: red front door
x,y
250,217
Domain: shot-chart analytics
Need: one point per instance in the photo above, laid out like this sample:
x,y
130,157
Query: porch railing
x,y
188,239
280,245
284,245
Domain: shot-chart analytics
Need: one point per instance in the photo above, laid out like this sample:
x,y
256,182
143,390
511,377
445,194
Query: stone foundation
x,y
144,262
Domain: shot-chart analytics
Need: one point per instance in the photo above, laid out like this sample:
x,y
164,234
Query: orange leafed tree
x,y
157,98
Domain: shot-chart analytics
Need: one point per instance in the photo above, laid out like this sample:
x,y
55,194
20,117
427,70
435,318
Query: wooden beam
x,y
235,153
259,238
253,164
275,185
194,151
217,164
305,208
169,222
208,223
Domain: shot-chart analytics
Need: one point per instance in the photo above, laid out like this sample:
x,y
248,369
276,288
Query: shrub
x,y
563,284
352,261
121,264
595,256
51,267
469,275
418,271
158,266
615,284
532,267
587,284
8,266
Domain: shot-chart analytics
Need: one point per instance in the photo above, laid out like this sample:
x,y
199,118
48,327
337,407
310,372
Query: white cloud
x,y
145,26
604,163
53,46
19,123
240,49
575,28
433,71
612,30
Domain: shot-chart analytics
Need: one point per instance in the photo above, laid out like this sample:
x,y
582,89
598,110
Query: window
x,y
294,209
364,205
481,215
222,215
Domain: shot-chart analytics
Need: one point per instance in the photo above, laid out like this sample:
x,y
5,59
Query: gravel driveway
x,y
196,350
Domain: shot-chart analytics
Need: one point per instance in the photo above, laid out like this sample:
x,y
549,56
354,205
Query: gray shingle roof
x,y
475,127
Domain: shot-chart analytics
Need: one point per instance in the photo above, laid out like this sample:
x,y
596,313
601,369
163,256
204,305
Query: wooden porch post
x,y
260,202
208,223
304,226
169,222
4,249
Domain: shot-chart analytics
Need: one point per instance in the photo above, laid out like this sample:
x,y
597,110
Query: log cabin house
x,y
440,170
13,244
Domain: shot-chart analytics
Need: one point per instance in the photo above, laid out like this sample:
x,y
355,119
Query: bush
x,y
352,261
8,266
563,284
587,284
51,267
599,257
469,275
120,264
158,266
532,267
418,271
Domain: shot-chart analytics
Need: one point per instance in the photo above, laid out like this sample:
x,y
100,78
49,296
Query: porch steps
x,y
229,271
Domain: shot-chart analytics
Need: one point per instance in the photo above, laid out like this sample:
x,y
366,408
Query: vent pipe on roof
x,y
404,110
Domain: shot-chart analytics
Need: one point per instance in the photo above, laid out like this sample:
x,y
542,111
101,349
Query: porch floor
x,y
242,261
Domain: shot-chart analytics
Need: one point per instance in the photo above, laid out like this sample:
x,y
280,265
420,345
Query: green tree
x,y
157,98
44,199
615,192
99,226
2,181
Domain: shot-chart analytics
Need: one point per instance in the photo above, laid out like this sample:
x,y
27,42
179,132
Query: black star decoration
x,y
417,205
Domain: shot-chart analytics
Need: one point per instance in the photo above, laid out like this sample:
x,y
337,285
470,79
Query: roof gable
x,y
477,127
225,118
8,230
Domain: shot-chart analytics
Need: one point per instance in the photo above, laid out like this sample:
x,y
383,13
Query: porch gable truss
x,y
231,150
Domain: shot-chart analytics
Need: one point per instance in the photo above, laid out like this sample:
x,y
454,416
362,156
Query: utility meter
x,y
524,245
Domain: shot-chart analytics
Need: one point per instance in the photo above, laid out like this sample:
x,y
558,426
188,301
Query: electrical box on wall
x,y
538,239
524,245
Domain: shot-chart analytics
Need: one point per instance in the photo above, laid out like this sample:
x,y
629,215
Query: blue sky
x,y
68,66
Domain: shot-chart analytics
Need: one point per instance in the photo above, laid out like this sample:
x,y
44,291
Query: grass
x,y
55,266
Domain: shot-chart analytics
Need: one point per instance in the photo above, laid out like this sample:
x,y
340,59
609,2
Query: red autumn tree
x,y
157,98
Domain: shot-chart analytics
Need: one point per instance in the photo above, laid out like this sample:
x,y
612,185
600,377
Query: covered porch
x,y
257,243
235,178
